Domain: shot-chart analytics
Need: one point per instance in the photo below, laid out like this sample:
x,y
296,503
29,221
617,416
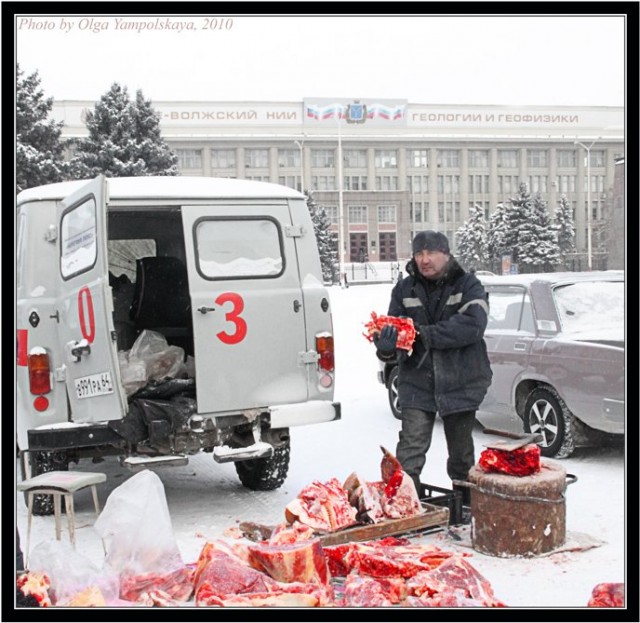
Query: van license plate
x,y
94,385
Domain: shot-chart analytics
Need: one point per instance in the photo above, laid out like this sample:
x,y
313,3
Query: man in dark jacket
x,y
448,370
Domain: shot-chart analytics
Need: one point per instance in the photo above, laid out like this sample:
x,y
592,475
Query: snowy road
x,y
206,498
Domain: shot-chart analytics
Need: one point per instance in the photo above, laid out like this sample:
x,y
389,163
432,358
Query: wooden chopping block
x,y
510,441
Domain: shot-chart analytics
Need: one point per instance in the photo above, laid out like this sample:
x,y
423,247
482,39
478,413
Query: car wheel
x,y
547,414
392,385
265,474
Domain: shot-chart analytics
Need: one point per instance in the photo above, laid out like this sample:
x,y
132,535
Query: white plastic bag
x,y
141,547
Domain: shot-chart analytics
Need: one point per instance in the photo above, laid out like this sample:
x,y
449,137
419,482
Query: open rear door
x,y
248,317
84,308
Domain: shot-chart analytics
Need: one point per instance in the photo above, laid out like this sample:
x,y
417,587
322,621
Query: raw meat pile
x,y
330,506
607,595
519,462
388,572
406,330
292,568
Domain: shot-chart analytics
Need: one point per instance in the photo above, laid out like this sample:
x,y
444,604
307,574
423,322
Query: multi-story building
x,y
385,169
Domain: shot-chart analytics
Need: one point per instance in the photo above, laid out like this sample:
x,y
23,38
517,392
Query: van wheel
x,y
547,414
265,474
42,462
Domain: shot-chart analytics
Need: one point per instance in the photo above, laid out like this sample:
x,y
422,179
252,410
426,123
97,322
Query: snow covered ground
x,y
205,498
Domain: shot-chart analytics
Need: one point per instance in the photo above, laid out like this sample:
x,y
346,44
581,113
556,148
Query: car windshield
x,y
588,306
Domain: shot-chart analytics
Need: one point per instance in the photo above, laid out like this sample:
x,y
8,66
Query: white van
x,y
158,317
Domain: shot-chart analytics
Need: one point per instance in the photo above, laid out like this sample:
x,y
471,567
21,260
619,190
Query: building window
x,y
288,158
508,184
386,182
449,211
387,214
256,158
419,158
223,158
448,184
386,159
355,158
322,158
566,158
354,182
537,158
189,158
478,183
597,158
538,183
332,214
292,181
418,211
566,183
417,184
323,182
597,184
507,158
257,178
358,215
449,158
478,158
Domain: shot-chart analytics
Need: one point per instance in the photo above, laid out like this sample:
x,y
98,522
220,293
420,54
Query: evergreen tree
x,y
517,217
124,139
327,241
498,240
471,240
39,150
537,244
565,228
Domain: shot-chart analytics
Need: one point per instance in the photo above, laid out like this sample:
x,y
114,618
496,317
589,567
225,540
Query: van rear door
x,y
84,308
246,300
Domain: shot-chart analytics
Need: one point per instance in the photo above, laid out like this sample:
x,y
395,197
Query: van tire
x,y
42,462
265,474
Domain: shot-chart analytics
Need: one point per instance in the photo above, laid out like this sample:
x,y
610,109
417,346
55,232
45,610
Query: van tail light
x,y
39,373
324,348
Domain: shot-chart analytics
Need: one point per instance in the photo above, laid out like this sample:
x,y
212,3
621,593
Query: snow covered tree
x,y
517,217
124,139
327,241
39,149
537,240
498,240
565,228
471,240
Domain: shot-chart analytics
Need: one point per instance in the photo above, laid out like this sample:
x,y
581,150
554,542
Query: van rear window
x,y
239,248
78,239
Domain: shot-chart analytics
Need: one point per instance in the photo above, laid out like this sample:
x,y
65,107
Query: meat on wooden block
x,y
365,497
303,561
322,505
291,533
400,498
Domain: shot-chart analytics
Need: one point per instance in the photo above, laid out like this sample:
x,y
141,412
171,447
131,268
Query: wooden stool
x,y
58,484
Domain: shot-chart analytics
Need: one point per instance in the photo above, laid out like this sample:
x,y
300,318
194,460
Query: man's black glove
x,y
386,340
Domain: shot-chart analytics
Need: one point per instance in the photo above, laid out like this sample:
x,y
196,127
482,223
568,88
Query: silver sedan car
x,y
556,342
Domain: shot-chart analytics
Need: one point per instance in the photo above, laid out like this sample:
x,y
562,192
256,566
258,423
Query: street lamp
x,y
341,242
588,150
300,145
